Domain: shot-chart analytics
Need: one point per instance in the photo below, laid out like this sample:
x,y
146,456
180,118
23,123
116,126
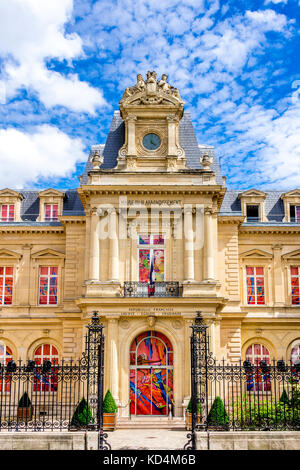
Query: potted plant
x,y
82,416
109,412
189,414
218,417
25,408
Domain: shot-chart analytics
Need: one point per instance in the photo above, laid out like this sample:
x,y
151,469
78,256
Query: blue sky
x,y
64,65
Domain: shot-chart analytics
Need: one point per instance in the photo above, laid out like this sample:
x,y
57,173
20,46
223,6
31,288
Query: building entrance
x,y
151,375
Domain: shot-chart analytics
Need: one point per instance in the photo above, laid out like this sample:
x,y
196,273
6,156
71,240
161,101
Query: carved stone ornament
x,y
151,320
97,160
151,91
206,161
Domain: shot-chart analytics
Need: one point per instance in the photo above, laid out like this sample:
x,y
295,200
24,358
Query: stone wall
x,y
48,441
248,440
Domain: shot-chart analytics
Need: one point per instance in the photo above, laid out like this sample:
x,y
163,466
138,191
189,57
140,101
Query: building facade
x,y
150,237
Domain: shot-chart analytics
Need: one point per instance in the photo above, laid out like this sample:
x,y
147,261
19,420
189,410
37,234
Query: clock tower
x,y
151,110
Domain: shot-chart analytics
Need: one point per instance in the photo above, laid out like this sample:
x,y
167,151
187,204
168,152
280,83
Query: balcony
x,y
158,289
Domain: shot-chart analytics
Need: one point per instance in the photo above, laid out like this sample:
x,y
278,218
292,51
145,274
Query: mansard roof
x,y
187,139
274,208
30,206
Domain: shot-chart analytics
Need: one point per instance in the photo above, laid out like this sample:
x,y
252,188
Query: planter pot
x,y
109,421
25,414
188,420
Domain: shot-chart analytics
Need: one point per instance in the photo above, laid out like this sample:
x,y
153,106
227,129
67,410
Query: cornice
x,y
290,230
31,229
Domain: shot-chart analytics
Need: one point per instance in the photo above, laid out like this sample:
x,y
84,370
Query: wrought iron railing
x,y
56,396
157,289
242,396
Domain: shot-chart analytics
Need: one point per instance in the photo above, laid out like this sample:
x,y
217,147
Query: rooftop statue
x,y
151,91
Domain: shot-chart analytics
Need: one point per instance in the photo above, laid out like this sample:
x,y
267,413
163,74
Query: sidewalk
x,y
147,439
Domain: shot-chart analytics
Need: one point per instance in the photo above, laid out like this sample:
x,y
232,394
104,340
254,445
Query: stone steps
x,y
150,423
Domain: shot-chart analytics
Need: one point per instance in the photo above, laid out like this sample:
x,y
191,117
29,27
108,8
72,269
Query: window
x,y
295,353
295,281
7,213
5,357
6,285
252,213
45,382
48,285
258,380
51,212
295,214
151,255
255,285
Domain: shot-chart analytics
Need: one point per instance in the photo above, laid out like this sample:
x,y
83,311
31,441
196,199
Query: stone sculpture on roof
x,y
151,91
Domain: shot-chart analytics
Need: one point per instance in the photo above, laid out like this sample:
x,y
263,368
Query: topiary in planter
x,y
25,408
217,415
24,401
284,397
82,415
109,404
189,407
109,412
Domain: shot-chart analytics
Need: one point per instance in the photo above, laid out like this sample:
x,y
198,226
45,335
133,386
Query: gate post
x,y
95,362
199,342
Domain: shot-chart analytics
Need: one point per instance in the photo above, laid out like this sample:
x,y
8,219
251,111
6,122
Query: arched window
x,y
5,357
256,353
258,380
151,374
295,353
45,382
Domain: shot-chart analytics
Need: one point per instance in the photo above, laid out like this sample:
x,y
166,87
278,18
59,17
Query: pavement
x,y
147,439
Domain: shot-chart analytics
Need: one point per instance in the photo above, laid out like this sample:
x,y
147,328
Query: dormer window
x,y
252,213
51,212
253,205
7,213
51,205
294,213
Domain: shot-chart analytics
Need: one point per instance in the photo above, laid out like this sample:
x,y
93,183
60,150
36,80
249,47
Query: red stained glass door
x,y
151,374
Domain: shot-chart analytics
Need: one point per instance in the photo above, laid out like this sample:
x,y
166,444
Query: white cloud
x,y
32,32
26,158
275,1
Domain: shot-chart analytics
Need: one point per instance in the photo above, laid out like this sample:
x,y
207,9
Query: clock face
x,y
151,141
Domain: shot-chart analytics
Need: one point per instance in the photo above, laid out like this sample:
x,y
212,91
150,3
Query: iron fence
x,y
244,396
57,396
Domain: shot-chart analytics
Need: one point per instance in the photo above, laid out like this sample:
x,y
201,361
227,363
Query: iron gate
x,y
247,396
57,396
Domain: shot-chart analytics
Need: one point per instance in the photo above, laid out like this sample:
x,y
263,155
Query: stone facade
x,y
175,188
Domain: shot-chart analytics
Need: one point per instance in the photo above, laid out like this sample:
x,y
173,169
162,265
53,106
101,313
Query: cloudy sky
x,y
64,65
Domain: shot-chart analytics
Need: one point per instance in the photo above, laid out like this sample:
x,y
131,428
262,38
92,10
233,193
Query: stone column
x,y
131,135
189,272
112,362
278,277
94,265
172,122
24,276
113,246
208,246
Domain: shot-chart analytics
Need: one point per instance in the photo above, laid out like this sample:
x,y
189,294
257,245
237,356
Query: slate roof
x,y
30,207
274,208
187,139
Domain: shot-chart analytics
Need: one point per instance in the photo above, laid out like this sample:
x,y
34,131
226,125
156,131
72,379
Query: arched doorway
x,y
151,374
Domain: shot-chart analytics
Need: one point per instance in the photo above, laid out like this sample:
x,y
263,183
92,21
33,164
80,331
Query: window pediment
x,y
294,193
10,193
256,254
253,193
293,255
48,253
8,254
51,192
